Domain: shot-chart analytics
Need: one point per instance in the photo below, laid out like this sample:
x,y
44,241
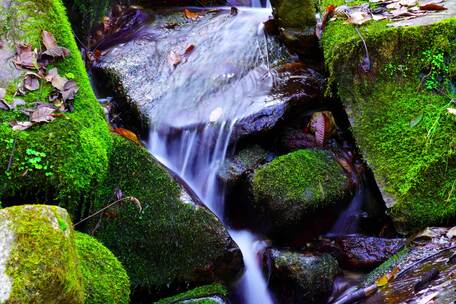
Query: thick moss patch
x,y
105,280
42,261
201,295
73,149
169,243
398,112
297,184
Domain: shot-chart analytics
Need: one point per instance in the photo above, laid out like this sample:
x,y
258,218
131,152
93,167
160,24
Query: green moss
x,y
105,280
398,112
305,177
295,13
42,261
169,242
77,145
192,296
386,266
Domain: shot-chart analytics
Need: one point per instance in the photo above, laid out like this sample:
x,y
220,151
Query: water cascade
x,y
198,105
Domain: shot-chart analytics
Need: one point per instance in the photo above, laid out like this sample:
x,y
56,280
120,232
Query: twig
x,y
10,162
103,209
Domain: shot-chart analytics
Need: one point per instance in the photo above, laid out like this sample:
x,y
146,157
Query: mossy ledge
x,y
170,243
200,295
398,112
75,146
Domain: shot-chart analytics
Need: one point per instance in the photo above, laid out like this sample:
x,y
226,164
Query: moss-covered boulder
x,y
169,243
61,161
104,279
296,185
38,260
209,294
301,278
398,109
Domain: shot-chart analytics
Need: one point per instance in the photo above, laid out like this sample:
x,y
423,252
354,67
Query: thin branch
x,y
103,209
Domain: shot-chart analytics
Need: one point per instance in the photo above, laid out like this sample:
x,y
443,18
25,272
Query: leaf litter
x,y
35,65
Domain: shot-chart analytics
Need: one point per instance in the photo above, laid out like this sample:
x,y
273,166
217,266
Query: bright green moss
x,y
386,266
398,112
200,295
77,146
42,261
105,280
169,242
306,177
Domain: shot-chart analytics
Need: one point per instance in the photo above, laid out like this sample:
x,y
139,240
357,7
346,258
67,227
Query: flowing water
x,y
196,107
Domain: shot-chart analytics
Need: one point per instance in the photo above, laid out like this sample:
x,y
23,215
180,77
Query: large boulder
x,y
299,277
297,185
168,242
162,66
104,279
395,98
38,260
209,294
60,161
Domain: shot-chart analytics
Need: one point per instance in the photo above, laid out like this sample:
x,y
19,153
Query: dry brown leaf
x,y
322,125
69,90
20,125
191,15
359,18
174,59
42,114
31,81
432,7
25,57
48,40
59,82
57,52
127,134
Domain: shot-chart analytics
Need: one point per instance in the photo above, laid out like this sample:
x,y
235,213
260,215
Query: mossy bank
x,y
398,110
72,150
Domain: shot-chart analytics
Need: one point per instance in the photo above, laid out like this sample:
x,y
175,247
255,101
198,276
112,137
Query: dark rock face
x,y
357,252
300,278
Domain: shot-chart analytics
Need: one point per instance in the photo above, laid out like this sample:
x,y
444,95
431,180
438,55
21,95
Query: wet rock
x,y
169,243
38,262
299,277
296,21
210,294
242,164
420,272
358,252
297,185
256,93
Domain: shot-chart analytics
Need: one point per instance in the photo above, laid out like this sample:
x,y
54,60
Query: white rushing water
x,y
227,75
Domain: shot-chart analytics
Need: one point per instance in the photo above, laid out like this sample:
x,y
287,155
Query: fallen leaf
x,y
136,202
51,74
127,134
451,233
25,56
31,81
20,125
382,281
59,82
57,52
2,93
17,102
189,50
48,40
42,114
359,18
415,121
191,15
451,111
174,59
432,7
69,90
322,125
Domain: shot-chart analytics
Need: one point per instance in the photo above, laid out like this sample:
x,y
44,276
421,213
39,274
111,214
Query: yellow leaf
x,y
382,281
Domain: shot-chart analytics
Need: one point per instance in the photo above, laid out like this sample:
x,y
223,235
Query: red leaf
x,y
127,134
191,15
432,7
189,50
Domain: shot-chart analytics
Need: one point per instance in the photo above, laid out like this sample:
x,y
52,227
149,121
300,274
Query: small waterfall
x,y
196,106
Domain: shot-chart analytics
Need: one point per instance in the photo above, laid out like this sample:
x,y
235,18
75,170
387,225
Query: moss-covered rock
x,y
209,294
38,260
170,243
398,110
301,278
72,150
295,185
294,13
105,281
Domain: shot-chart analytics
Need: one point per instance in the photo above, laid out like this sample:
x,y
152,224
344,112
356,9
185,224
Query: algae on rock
x,y
209,294
42,263
170,243
76,146
398,111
